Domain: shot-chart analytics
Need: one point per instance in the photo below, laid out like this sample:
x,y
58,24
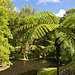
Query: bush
x,y
68,71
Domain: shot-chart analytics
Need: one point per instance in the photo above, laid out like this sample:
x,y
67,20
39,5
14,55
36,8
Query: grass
x,y
45,69
23,59
53,71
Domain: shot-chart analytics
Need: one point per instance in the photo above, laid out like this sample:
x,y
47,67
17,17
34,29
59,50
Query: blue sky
x,y
58,7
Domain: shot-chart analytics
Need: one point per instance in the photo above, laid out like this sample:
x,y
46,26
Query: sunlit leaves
x,y
5,33
27,11
38,25
69,22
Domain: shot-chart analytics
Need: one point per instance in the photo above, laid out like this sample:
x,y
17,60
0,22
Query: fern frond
x,y
64,33
47,28
39,18
69,22
38,31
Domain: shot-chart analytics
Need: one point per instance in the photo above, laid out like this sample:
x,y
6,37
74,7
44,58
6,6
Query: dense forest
x,y
30,35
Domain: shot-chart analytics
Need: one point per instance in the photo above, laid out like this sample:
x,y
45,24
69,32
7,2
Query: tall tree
x,y
5,33
9,5
70,11
27,11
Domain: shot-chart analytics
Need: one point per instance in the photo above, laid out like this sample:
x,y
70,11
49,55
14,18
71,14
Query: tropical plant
x,y
37,26
40,24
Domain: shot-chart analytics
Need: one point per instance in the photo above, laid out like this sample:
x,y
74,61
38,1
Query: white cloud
x,y
16,9
46,1
60,13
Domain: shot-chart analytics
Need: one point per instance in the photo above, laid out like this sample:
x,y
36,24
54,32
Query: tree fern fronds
x,y
72,26
42,30
49,27
39,18
53,17
69,46
70,21
50,41
38,31
65,32
46,14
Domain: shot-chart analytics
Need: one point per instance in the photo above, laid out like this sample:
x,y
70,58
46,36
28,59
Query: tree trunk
x,y
25,51
24,55
58,55
58,60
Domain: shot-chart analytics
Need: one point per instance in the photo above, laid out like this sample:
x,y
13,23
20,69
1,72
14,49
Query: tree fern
x,y
40,24
39,18
36,26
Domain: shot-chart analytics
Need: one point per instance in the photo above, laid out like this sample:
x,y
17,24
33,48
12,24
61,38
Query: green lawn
x,y
53,71
45,69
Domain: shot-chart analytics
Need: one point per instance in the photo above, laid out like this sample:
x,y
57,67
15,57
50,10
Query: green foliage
x,y
37,25
44,69
70,11
7,3
68,71
12,15
33,47
27,11
5,33
66,36
69,22
54,72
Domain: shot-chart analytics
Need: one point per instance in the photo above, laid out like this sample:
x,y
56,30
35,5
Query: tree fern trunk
x,y
25,53
58,60
58,55
24,56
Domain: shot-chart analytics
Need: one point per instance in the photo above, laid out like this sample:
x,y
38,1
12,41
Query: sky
x,y
58,7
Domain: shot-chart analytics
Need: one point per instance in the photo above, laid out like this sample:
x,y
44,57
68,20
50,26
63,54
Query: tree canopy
x,y
27,11
5,33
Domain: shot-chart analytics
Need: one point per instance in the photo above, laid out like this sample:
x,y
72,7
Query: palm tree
x,y
40,24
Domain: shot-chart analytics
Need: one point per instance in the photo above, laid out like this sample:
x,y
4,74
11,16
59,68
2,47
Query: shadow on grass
x,y
32,72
